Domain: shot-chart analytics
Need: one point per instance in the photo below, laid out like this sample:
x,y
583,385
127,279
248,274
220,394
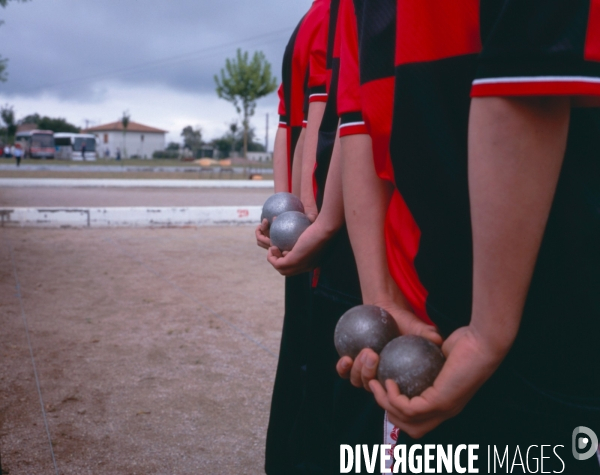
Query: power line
x,y
161,62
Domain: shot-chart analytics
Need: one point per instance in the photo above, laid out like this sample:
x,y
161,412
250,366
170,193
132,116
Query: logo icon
x,y
584,438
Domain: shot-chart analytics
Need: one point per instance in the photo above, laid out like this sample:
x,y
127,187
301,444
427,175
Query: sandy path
x,y
101,197
140,368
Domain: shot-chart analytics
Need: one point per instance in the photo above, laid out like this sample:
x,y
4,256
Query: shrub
x,y
172,154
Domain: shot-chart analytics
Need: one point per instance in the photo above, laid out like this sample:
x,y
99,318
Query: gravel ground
x,y
101,197
154,349
200,175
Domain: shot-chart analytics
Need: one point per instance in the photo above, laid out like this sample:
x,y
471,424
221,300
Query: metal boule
x,y
287,228
413,362
364,326
280,203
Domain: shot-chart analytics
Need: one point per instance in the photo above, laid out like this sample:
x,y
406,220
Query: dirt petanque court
x,y
136,351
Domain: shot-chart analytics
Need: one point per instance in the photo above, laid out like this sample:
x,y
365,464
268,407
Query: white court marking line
x,y
191,297
125,183
35,372
130,216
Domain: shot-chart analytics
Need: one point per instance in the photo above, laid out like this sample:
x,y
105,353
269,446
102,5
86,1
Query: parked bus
x,y
37,143
69,146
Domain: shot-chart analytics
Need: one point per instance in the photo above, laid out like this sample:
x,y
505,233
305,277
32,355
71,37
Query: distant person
x,y
83,151
106,152
118,153
7,153
18,153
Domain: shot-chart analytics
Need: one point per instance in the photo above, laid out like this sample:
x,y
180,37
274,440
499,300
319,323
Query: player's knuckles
x,y
355,380
355,376
365,382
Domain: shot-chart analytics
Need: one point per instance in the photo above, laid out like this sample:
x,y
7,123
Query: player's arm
x,y
307,251
309,158
281,181
280,168
366,200
316,96
516,149
297,164
365,213
280,161
517,139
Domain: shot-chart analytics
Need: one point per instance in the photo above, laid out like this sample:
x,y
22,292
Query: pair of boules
x,y
287,221
411,361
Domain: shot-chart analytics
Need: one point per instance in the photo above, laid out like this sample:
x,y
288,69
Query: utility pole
x,y
267,135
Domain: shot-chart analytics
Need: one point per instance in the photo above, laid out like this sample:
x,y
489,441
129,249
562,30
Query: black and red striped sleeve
x,y
317,80
283,119
539,48
349,96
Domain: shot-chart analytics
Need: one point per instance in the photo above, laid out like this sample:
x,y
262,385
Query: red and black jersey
x,y
366,106
295,73
329,123
338,275
447,52
349,100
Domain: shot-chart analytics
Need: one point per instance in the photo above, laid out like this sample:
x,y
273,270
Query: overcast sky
x,y
90,60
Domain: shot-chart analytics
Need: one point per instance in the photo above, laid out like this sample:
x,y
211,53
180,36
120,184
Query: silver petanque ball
x,y
287,228
364,326
280,203
412,361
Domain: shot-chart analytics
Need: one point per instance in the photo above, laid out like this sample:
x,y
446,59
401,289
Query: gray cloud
x,y
71,47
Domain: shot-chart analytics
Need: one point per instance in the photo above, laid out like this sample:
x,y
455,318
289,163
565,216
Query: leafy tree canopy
x,y
7,114
49,123
192,138
233,141
242,82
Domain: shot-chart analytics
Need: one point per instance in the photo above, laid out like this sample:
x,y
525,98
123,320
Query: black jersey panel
x,y
429,155
306,102
339,279
286,69
533,29
327,132
376,38
561,320
333,19
296,130
490,67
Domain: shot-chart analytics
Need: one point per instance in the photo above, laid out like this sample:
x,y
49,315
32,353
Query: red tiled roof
x,y
26,127
118,126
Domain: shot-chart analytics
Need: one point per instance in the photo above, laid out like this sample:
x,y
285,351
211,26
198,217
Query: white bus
x,y
69,146
36,143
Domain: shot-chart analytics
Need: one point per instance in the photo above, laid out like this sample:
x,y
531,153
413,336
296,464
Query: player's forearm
x,y
280,161
309,157
297,164
331,218
516,149
366,200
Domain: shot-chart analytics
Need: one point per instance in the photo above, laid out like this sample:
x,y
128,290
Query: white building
x,y
138,140
260,156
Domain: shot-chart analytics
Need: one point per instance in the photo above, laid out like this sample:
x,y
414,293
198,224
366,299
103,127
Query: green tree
x,y
7,114
4,61
244,81
31,119
192,139
125,122
233,140
57,124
